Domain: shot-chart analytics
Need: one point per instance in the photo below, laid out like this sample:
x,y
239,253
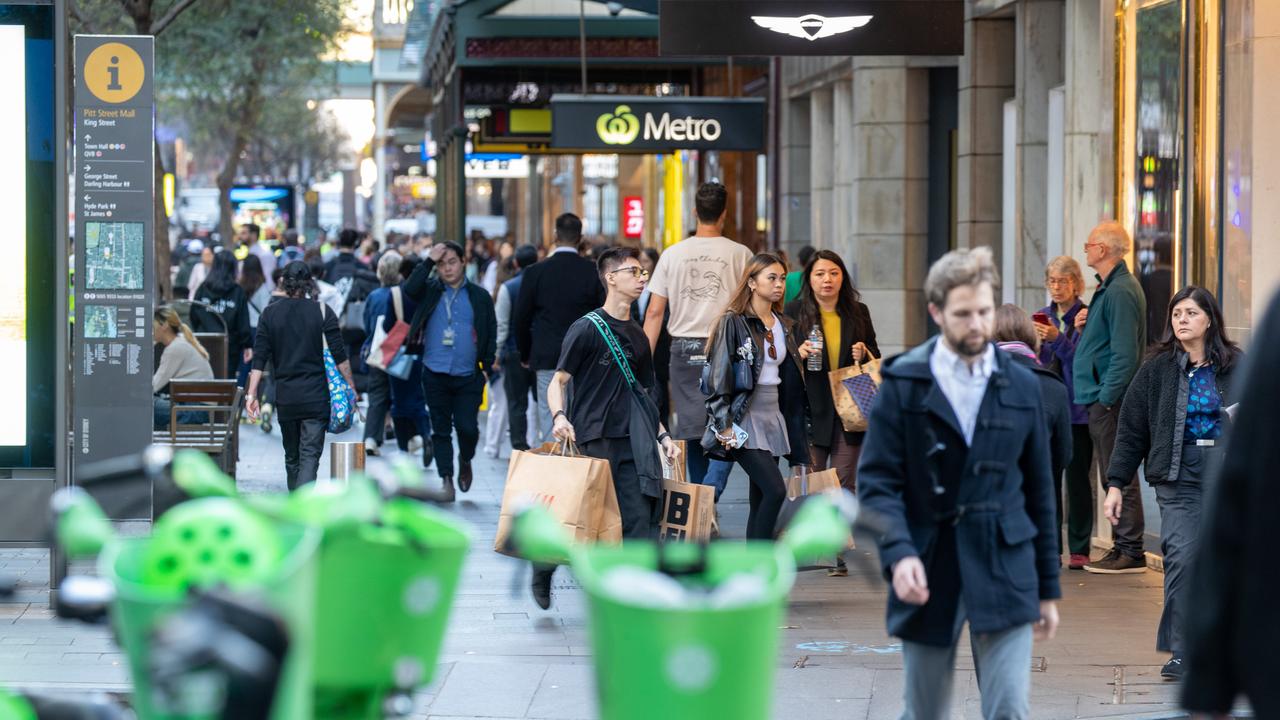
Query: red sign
x,y
633,216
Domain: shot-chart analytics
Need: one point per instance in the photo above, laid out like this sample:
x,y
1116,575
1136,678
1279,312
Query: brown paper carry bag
x,y
801,486
688,510
854,391
578,490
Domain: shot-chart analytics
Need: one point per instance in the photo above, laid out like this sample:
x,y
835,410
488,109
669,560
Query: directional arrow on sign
x,y
88,167
86,198
88,136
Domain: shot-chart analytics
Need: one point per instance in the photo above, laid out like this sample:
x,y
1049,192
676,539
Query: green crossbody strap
x,y
614,348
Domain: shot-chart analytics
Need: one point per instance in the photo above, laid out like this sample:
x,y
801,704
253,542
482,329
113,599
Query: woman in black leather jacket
x,y
755,384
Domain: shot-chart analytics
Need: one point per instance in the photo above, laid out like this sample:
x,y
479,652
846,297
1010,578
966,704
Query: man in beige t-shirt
x,y
695,278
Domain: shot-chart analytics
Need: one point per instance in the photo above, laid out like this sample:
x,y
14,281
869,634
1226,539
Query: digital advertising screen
x,y
28,324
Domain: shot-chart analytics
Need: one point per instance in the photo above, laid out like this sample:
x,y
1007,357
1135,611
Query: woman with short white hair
x,y
1055,326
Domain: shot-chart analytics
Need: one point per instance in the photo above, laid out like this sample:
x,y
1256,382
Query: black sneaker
x,y
1172,670
1117,563
541,585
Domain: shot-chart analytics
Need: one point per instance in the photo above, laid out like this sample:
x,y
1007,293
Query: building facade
x,y
1059,114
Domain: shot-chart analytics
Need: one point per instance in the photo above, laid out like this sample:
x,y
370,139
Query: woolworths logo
x,y
622,127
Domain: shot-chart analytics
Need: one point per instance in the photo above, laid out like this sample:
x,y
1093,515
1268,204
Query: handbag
x,y
854,390
737,336
342,398
643,418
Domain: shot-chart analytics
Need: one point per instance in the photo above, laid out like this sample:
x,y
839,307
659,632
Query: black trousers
x,y
639,511
454,403
1128,535
379,391
1079,493
768,491
518,381
303,446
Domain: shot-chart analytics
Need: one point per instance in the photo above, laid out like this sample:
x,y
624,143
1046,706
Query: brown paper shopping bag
x,y
854,390
688,511
801,486
578,490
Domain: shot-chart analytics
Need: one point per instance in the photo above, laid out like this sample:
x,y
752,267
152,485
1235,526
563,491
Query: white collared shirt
x,y
563,249
963,385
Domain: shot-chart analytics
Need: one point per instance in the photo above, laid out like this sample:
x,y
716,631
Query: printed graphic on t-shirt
x,y
704,284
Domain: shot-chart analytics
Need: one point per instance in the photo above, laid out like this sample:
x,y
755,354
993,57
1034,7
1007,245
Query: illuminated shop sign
x,y
647,124
811,27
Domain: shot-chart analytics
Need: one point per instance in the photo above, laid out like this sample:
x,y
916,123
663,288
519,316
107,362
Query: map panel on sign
x,y
115,255
100,322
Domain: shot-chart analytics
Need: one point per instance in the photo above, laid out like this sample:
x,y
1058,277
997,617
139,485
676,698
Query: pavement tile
x,y
503,691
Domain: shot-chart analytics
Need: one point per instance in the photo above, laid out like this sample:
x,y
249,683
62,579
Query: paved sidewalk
x,y
505,658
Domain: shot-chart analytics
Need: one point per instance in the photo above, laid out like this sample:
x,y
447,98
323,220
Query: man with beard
x,y
956,461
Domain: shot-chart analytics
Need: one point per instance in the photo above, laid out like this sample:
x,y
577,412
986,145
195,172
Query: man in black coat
x,y
455,329
956,460
1233,631
555,293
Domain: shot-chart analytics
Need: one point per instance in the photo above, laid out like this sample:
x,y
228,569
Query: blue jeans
x,y
706,471
162,406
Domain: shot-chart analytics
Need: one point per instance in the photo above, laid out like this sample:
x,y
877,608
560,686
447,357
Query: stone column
x,y
1039,68
986,82
843,158
1265,154
794,228
379,219
1087,152
889,197
821,166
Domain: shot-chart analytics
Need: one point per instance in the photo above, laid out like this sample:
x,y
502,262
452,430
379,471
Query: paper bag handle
x,y
866,353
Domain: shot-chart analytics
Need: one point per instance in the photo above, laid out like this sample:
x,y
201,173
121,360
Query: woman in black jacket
x,y
224,296
292,334
755,390
1015,334
829,302
1174,416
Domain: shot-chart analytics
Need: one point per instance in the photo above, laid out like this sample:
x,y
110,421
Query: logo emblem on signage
x,y
811,27
620,128
114,72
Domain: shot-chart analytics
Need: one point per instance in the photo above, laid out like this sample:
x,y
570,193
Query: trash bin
x,y
687,662
143,599
345,460
399,579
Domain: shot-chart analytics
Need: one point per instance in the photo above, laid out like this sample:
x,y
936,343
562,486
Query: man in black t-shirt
x,y
600,419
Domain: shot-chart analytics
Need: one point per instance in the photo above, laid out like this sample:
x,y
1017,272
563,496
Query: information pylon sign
x,y
114,196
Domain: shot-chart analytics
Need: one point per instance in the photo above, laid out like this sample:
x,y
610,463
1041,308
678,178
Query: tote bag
x,y
854,390
342,398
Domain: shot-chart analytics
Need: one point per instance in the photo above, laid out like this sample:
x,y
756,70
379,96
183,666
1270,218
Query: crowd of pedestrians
x,y
981,452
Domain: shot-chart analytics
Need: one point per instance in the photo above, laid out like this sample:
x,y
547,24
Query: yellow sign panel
x,y
114,73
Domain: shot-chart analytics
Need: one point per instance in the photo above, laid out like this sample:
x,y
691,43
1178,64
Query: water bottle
x,y
815,342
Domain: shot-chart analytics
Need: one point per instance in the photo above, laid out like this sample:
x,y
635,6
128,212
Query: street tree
x,y
232,69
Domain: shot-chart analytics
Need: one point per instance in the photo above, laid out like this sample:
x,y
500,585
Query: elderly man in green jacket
x,y
1107,357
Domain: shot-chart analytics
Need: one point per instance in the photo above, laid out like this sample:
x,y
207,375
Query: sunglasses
x,y
773,351
635,270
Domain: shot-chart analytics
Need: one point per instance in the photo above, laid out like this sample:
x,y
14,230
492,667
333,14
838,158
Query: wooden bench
x,y
219,436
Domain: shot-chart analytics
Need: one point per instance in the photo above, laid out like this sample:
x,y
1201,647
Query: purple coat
x,y
1060,355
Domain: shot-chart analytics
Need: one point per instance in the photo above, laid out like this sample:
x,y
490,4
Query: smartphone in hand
x,y
1041,318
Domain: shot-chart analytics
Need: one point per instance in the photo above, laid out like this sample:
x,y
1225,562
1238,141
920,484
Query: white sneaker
x,y
415,443
371,447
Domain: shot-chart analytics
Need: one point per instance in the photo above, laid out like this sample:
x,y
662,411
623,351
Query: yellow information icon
x,y
114,73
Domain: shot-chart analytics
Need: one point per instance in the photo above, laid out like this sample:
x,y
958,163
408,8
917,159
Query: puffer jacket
x,y
727,405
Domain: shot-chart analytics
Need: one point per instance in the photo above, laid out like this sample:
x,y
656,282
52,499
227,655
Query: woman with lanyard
x,y
1173,418
827,300
1056,328
755,388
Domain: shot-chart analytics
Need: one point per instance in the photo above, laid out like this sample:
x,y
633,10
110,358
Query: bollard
x,y
345,458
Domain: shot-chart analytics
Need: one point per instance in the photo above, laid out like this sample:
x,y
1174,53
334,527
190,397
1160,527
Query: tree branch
x,y
87,26
172,14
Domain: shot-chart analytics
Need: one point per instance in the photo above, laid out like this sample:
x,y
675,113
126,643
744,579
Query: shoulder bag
x,y
644,416
342,398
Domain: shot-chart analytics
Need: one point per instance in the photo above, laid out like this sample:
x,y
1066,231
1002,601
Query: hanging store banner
x,y
639,123
811,27
115,256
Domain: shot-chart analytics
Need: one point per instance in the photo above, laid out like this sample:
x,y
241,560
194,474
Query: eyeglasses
x,y
1056,282
773,351
635,270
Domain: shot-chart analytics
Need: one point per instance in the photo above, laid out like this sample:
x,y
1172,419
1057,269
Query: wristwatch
x,y
557,414
663,436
